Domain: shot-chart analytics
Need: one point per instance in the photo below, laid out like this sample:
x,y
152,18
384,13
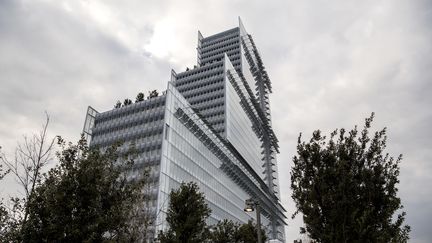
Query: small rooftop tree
x,y
139,97
153,94
127,102
118,104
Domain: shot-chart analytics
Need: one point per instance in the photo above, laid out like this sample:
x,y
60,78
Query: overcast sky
x,y
331,64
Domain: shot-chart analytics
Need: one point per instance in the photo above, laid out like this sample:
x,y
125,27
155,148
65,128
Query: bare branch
x,y
29,159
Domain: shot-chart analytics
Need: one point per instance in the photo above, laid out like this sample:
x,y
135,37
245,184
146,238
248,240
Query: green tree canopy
x,y
345,187
127,102
152,94
87,197
118,104
225,231
139,97
186,216
4,215
248,233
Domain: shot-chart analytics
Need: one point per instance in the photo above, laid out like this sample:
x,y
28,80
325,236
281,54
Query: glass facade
x,y
239,126
186,157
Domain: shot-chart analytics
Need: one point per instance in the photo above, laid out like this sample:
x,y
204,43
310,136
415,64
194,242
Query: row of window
x,y
150,149
204,91
234,60
214,99
111,137
129,122
146,159
230,53
135,126
210,113
210,106
137,118
205,43
203,83
198,83
214,120
152,177
196,71
209,103
224,43
210,52
131,109
146,139
211,71
148,156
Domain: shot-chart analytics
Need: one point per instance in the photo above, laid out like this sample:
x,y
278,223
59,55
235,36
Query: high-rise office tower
x,y
212,126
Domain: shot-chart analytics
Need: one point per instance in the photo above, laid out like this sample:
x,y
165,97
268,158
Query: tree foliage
x,y
346,187
4,214
87,197
139,97
118,104
186,216
30,158
248,233
152,94
225,231
127,102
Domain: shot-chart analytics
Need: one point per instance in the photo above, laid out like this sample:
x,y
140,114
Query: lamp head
x,y
249,205
247,209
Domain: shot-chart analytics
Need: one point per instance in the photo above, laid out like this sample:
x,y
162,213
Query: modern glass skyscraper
x,y
212,126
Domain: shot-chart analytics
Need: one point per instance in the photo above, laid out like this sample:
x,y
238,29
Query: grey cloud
x,y
331,64
54,61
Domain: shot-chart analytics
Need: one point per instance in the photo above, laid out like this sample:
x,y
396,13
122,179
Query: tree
x,y
225,231
248,233
153,94
11,218
186,216
3,172
127,102
4,215
117,105
31,156
87,197
139,97
346,187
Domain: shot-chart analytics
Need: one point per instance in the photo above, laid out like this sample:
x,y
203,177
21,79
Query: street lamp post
x,y
250,206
